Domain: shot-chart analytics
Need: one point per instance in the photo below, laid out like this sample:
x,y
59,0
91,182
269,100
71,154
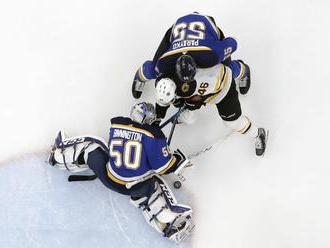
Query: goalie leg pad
x,y
72,153
162,211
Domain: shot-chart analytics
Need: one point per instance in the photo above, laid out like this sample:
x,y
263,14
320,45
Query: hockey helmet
x,y
165,91
185,68
143,113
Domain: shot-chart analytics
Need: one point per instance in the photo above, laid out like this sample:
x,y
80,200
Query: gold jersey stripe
x,y
241,74
113,178
222,85
144,78
134,129
219,79
186,49
169,166
247,126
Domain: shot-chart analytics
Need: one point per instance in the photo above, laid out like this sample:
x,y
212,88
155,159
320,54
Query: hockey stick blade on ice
x,y
77,178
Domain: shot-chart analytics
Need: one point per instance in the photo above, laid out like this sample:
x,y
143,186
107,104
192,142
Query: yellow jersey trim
x,y
113,178
186,49
133,129
243,130
144,78
241,74
222,85
169,166
218,83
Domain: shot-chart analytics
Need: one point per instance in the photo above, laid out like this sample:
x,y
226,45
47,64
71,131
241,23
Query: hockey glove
x,y
181,163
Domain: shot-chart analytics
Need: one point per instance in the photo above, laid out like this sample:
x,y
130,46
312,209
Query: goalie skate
x,y
182,231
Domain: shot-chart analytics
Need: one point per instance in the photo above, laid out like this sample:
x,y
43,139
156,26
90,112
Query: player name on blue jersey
x,y
185,43
125,134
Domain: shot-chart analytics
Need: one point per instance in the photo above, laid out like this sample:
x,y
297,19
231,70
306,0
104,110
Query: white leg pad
x,y
162,208
67,154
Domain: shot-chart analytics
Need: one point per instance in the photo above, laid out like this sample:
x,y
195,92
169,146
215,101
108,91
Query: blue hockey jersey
x,y
136,150
195,34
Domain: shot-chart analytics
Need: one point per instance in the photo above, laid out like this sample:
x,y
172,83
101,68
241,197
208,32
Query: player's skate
x,y
162,212
58,140
137,88
261,140
179,229
244,80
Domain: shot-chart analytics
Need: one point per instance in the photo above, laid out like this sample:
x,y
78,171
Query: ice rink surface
x,y
69,65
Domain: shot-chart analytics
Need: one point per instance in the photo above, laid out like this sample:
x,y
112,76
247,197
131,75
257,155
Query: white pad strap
x,y
162,207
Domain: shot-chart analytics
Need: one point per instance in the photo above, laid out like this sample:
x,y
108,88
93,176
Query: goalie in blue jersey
x,y
132,164
198,36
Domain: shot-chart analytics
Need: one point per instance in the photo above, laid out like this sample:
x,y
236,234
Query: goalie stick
x,y
75,178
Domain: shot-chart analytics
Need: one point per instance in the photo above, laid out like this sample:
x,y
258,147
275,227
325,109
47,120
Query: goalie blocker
x,y
137,149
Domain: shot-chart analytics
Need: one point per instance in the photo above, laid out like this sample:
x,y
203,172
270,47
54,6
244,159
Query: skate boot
x,y
58,140
260,142
137,88
244,81
179,231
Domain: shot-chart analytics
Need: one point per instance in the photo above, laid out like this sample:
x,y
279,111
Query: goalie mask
x,y
143,113
185,68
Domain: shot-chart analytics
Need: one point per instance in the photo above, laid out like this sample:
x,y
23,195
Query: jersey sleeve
x,y
146,72
225,48
159,156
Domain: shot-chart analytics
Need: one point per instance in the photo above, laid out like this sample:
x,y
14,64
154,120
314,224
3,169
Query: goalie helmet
x,y
185,68
143,113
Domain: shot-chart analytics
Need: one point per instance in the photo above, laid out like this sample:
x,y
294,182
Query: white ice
x,y
69,64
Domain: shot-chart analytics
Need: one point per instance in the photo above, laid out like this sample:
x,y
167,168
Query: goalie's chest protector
x,y
213,82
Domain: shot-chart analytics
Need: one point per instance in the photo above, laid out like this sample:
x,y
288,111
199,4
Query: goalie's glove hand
x,y
181,162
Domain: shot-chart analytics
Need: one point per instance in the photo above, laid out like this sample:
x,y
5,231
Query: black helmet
x,y
185,68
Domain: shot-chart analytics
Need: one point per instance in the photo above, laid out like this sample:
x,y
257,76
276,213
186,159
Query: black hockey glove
x,y
193,106
180,163
179,102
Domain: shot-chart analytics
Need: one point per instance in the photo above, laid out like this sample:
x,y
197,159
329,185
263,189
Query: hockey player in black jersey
x,y
214,85
132,164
